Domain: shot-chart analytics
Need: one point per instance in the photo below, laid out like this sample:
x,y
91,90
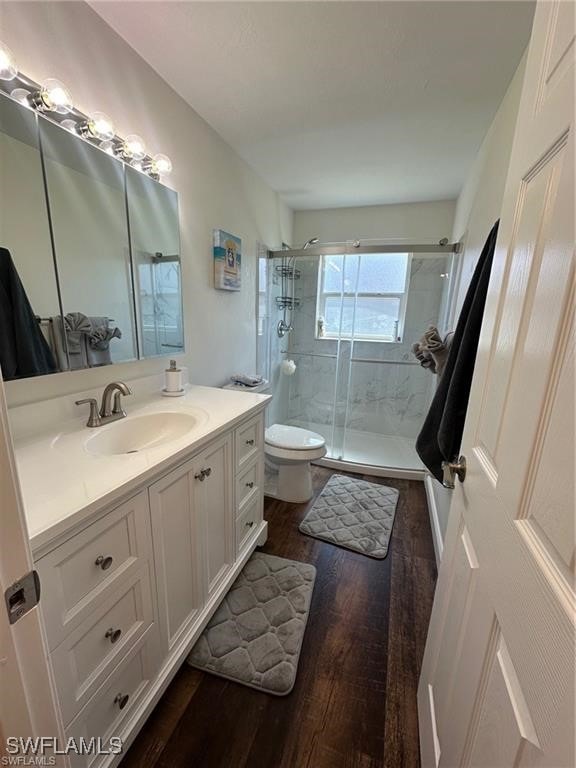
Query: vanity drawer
x,y
249,440
104,715
79,575
248,481
247,522
89,653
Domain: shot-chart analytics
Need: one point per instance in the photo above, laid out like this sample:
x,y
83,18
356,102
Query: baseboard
x,y
434,520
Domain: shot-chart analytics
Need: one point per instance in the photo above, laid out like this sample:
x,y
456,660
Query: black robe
x,y
441,434
23,349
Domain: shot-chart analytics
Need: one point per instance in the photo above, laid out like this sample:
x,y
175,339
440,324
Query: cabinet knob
x,y
207,472
113,634
200,476
250,524
122,699
250,484
103,562
249,442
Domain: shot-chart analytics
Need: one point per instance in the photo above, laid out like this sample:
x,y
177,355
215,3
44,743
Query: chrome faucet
x,y
107,412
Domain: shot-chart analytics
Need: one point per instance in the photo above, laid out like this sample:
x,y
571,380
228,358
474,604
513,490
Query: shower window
x,y
362,296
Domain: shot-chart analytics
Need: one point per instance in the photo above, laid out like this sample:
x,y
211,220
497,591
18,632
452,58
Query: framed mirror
x,y
29,299
87,198
155,243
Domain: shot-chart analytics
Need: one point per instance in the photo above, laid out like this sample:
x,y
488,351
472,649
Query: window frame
x,y
321,296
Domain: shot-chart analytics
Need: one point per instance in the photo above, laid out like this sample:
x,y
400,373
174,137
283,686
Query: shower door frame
x,y
351,249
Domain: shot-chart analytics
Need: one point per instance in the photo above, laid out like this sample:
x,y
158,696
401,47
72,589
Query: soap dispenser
x,y
173,381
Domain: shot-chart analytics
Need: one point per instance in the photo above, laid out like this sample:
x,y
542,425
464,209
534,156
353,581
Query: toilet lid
x,y
293,438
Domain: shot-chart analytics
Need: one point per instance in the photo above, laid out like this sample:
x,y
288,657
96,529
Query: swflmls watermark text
x,y
43,750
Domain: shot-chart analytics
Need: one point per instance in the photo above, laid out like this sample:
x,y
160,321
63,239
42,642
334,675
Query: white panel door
x,y
497,683
27,695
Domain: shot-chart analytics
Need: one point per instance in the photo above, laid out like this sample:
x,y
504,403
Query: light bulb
x,y
134,147
70,125
110,147
21,95
162,164
8,68
55,97
100,126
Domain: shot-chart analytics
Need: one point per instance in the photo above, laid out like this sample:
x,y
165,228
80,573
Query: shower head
x,y
308,243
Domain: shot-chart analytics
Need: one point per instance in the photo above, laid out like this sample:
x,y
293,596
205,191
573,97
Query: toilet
x,y
289,451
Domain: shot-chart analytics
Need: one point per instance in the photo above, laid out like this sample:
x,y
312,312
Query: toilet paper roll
x,y
288,367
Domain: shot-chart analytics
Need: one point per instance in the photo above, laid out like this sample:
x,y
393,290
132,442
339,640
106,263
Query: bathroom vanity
x,y
138,529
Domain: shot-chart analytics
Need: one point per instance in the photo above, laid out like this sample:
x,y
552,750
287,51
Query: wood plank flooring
x,y
354,702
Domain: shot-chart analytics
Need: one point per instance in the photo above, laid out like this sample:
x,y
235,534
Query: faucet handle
x,y
94,418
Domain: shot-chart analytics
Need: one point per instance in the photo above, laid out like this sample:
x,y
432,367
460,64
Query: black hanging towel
x,y
441,434
23,349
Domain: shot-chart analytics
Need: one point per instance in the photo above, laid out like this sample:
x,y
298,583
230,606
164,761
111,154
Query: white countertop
x,y
63,483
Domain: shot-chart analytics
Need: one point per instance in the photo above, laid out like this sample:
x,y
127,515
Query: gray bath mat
x,y
354,514
256,634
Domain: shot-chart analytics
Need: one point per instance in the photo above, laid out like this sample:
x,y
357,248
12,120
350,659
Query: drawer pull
x,y
103,562
113,634
203,474
250,524
122,699
250,442
250,485
207,472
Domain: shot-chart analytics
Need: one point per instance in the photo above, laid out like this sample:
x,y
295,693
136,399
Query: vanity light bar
x,y
53,100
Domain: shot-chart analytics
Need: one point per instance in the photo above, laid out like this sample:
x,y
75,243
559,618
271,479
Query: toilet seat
x,y
294,443
293,438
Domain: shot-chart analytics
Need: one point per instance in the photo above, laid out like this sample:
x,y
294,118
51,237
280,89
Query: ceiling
x,y
338,103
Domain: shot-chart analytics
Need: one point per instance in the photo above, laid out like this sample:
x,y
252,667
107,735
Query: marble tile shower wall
x,y
389,398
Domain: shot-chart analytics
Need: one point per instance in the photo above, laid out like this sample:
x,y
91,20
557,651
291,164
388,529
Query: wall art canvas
x,y
227,261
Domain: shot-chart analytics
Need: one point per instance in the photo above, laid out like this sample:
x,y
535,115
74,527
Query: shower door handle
x,y
453,469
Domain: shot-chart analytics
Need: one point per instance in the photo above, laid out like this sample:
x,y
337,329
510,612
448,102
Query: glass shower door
x,y
388,391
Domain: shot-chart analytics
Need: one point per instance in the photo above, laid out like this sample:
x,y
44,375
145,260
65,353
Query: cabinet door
x,y
213,488
177,538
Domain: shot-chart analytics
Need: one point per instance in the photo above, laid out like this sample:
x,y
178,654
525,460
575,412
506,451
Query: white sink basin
x,y
141,433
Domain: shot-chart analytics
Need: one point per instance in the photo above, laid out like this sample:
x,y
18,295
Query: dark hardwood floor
x,y
354,701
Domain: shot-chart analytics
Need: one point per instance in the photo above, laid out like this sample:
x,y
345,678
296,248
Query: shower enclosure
x,y
347,317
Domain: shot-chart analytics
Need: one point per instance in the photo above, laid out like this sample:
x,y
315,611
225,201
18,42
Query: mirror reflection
x,y
28,287
155,240
88,212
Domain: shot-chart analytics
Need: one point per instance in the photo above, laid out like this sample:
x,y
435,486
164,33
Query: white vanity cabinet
x,y
192,524
125,597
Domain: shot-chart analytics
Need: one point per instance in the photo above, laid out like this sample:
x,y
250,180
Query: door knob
x,y
113,634
122,699
452,469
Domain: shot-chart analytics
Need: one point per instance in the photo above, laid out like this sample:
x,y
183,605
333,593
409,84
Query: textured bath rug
x,y
354,514
256,634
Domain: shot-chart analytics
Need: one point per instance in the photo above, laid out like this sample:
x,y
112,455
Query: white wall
x,y
477,208
69,41
428,221
479,203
